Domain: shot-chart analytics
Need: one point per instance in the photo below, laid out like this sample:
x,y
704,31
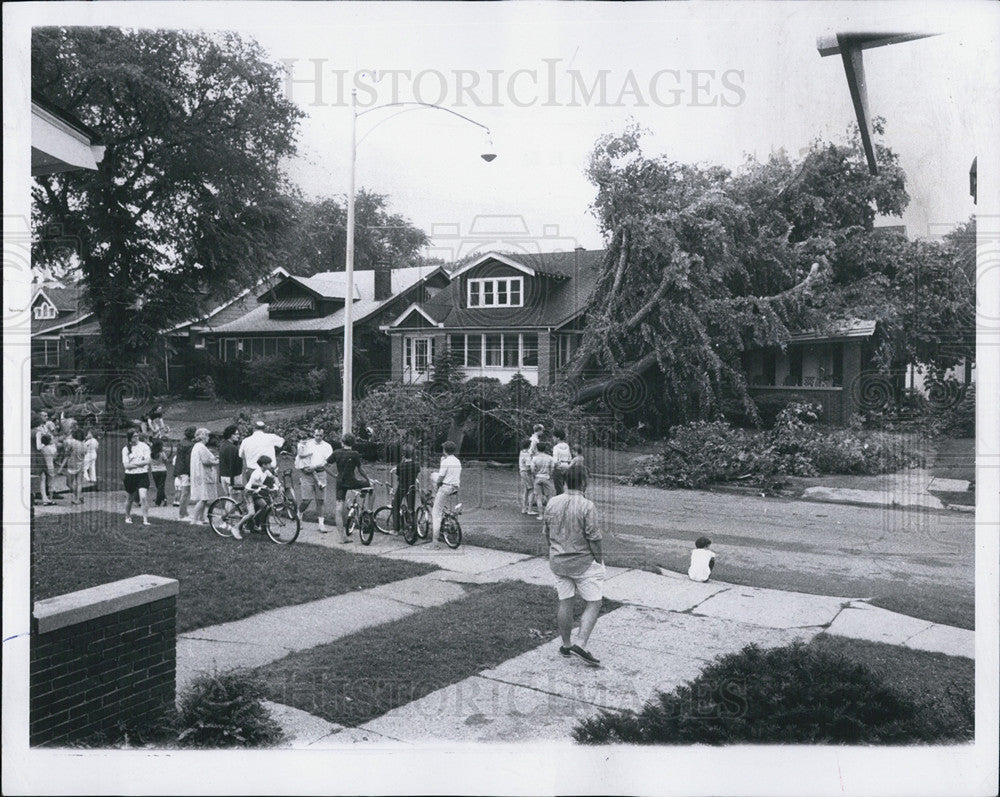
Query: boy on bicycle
x,y
406,473
261,479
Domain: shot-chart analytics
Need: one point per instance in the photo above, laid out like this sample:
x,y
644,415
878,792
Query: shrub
x,y
203,386
959,420
793,694
226,710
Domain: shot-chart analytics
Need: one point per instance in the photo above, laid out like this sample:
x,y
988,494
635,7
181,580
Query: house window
x,y
45,310
511,351
529,350
44,353
232,349
474,351
495,292
566,345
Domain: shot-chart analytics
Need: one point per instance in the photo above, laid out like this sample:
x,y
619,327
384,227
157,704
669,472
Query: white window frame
x,y
50,353
493,283
45,311
410,353
482,351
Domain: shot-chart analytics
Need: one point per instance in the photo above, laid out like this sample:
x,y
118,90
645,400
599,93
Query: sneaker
x,y
564,651
322,525
146,523
128,518
580,653
534,514
236,533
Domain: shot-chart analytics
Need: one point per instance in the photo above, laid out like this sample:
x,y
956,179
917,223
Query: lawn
x,y
220,579
364,675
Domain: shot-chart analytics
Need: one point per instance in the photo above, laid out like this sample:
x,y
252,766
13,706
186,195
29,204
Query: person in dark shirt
x,y
350,476
230,464
182,472
406,477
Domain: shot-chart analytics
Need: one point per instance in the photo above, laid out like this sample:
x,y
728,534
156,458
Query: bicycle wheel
x,y
367,528
451,531
280,529
423,522
223,516
352,520
383,520
409,527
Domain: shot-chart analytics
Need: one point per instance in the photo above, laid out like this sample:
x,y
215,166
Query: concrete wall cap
x,y
87,604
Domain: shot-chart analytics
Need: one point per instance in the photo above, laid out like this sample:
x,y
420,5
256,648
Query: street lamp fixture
x,y
348,359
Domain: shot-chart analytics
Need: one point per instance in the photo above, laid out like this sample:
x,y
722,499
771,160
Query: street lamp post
x,y
348,357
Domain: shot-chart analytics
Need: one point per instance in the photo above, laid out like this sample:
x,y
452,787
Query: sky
x,y
712,83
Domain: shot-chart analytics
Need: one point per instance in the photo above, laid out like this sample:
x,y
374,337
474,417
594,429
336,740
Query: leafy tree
x,y
189,197
704,264
317,239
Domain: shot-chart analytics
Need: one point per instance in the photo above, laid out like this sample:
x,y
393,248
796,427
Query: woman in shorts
x,y
135,459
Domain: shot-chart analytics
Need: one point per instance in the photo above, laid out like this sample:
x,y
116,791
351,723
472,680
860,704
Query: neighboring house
x,y
503,314
305,316
823,367
58,326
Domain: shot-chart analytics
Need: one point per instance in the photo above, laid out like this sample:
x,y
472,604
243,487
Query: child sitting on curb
x,y
702,560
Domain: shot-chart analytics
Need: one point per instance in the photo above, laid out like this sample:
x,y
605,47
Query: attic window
x,y
293,303
45,310
496,292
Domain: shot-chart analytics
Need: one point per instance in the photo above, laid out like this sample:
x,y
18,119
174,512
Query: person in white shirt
x,y
311,457
448,479
135,459
702,560
261,478
536,434
256,445
562,456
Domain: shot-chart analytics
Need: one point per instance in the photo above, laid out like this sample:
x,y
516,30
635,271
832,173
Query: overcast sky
x,y
712,82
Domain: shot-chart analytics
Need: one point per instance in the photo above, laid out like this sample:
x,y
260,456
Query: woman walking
x,y
204,477
135,458
158,470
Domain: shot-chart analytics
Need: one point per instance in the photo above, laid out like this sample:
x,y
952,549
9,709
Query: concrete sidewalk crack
x,y
546,692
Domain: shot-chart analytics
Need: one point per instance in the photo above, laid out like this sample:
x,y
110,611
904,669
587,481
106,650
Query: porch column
x,y
396,357
330,359
852,372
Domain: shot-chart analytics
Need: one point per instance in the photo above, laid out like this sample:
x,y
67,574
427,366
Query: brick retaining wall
x,y
100,657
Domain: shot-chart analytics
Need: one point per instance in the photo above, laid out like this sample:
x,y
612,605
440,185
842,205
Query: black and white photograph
x,y
501,398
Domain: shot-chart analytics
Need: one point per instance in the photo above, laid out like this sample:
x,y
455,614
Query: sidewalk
x,y
913,489
664,635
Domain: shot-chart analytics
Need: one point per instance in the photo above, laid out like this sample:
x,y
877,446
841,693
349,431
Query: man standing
x,y
256,445
230,466
310,459
182,472
562,456
576,560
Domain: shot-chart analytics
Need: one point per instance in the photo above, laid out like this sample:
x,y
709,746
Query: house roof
x,y
572,277
67,300
258,318
853,328
59,141
64,298
230,308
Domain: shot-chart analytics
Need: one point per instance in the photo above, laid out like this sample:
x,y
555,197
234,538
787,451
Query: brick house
x,y
504,314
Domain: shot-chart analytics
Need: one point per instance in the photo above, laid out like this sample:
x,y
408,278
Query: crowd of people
x,y
62,448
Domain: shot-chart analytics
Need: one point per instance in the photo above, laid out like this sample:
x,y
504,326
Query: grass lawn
x,y
220,579
946,682
364,675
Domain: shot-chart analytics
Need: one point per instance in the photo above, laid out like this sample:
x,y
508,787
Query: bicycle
x,y
225,514
451,529
410,520
359,514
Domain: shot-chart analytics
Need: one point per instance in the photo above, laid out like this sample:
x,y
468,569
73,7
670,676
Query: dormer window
x,y
44,310
495,292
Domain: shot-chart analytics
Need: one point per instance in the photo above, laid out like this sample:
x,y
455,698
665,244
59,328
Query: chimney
x,y
383,282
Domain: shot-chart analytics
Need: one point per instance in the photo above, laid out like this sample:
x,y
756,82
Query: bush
x,y
959,420
226,710
794,694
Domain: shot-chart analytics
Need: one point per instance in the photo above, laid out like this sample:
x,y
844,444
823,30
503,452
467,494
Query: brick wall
x,y
100,657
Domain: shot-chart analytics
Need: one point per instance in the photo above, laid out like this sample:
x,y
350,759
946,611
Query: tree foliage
x,y
189,197
317,238
704,264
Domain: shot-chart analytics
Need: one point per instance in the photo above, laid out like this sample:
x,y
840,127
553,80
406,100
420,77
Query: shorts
x,y
587,585
182,481
544,488
135,481
342,489
315,481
